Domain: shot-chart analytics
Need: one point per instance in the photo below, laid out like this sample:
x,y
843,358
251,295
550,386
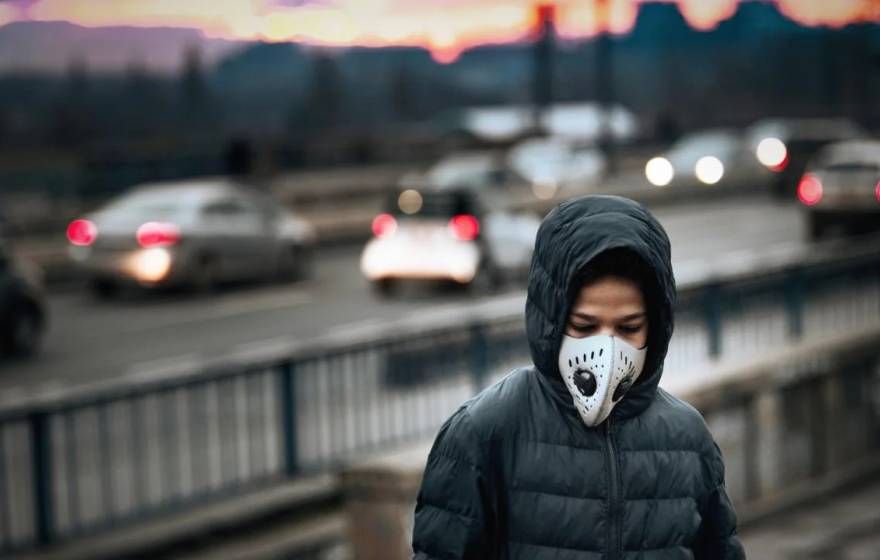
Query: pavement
x,y
842,526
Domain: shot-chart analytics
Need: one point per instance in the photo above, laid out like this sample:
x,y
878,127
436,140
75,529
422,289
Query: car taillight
x,y
82,232
780,166
157,234
877,191
809,190
464,227
384,225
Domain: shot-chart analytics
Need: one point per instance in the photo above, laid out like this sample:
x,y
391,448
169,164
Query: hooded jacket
x,y
515,473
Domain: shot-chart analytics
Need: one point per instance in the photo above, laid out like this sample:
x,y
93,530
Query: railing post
x,y
712,310
479,357
794,303
288,419
41,455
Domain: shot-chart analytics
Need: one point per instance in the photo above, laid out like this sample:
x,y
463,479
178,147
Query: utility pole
x,y
605,81
542,85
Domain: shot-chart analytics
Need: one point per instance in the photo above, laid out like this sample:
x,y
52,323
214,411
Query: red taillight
x,y
82,232
384,225
781,165
464,227
809,190
157,234
877,191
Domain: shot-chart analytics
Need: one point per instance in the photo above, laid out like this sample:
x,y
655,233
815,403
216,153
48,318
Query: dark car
x,y
784,146
840,190
22,309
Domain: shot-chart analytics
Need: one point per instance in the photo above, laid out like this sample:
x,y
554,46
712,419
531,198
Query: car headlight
x,y
772,153
150,265
709,170
659,171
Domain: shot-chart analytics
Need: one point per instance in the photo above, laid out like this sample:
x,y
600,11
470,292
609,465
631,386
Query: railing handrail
x,y
493,310
733,380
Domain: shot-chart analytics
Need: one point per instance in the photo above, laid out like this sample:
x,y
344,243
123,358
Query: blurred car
x,y
485,170
841,188
784,146
446,234
197,233
556,165
705,157
23,314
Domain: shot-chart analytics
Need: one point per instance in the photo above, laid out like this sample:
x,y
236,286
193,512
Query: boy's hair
x,y
621,263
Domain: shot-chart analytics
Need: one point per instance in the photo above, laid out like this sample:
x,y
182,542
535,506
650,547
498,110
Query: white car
x,y
707,157
841,188
197,233
556,165
446,234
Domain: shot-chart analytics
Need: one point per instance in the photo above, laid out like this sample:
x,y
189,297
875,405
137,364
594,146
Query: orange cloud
x,y
446,27
7,14
707,14
835,13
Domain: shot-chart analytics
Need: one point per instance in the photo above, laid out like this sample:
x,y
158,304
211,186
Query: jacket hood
x,y
572,235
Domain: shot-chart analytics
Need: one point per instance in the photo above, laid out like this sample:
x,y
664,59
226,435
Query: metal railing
x,y
82,463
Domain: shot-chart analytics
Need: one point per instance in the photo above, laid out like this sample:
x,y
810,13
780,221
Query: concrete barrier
x,y
793,426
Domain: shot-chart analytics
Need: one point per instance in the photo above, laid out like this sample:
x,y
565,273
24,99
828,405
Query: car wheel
x,y
816,226
206,277
103,289
487,281
383,288
26,334
294,264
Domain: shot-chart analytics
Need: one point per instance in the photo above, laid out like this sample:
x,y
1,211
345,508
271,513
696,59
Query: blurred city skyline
x,y
445,28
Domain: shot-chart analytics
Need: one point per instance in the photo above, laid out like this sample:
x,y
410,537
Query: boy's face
x,y
609,306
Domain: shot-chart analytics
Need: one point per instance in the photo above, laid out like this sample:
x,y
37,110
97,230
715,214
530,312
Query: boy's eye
x,y
582,328
629,329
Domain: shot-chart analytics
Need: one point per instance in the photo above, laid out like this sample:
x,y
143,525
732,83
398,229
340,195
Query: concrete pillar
x,y
768,417
380,496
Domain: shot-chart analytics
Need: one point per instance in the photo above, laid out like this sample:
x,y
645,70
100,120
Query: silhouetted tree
x,y
402,92
71,122
324,98
194,89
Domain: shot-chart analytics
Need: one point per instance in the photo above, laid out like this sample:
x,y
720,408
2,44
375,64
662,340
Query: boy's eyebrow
x,y
630,317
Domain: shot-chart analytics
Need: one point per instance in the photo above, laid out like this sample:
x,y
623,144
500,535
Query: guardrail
x,y
796,426
92,460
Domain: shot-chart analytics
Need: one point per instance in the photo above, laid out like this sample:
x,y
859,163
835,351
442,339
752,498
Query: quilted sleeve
x,y
454,518
719,540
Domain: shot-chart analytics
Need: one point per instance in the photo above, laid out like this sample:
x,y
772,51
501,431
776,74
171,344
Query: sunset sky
x,y
444,26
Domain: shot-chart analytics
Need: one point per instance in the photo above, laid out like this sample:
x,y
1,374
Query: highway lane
x,y
90,340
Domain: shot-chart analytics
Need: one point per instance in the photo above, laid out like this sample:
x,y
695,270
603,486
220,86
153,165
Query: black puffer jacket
x,y
515,474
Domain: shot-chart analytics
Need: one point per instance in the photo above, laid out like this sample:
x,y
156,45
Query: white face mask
x,y
598,371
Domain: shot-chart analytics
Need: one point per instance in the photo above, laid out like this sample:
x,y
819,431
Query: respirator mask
x,y
598,371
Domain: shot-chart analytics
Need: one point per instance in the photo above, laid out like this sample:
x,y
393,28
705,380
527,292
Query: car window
x,y
154,203
227,207
853,166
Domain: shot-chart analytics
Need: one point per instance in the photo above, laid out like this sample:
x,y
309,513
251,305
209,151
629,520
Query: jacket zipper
x,y
614,524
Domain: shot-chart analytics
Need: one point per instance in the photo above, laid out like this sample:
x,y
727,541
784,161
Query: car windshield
x,y
159,203
462,170
691,148
443,205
